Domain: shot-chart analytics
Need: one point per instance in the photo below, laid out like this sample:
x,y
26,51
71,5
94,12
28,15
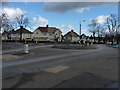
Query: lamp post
x,y
80,26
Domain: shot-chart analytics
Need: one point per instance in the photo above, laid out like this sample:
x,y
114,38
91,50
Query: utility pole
x,y
80,30
80,27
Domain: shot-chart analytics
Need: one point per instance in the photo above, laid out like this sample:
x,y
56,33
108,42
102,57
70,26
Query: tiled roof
x,y
48,29
43,29
71,33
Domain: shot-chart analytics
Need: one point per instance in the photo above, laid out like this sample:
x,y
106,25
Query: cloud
x,y
40,21
80,10
66,26
101,19
63,7
13,12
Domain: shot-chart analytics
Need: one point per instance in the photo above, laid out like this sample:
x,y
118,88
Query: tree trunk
x,y
21,30
94,36
98,37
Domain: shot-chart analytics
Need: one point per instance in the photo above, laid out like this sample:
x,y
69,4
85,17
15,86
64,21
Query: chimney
x,y
47,25
71,30
13,30
21,26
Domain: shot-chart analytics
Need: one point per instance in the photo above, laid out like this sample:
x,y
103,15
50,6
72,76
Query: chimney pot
x,y
21,26
47,25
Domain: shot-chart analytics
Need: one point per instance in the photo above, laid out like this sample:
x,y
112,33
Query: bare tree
x,y
22,22
112,26
93,27
6,24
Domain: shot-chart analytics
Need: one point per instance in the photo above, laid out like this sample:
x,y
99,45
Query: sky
x,y
63,15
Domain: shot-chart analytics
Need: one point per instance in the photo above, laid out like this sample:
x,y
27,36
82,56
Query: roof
x,y
17,31
71,33
42,29
8,32
48,29
23,31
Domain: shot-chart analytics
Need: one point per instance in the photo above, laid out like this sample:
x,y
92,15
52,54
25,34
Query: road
x,y
98,66
22,49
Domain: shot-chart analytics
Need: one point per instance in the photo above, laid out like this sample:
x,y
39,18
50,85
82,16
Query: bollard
x,y
25,41
36,41
26,48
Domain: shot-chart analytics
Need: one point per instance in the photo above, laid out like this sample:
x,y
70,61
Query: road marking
x,y
56,69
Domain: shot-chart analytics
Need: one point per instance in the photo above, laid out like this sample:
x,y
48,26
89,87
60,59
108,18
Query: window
x,y
36,32
44,33
50,34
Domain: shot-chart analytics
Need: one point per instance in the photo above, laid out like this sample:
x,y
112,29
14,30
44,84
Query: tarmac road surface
x,y
98,67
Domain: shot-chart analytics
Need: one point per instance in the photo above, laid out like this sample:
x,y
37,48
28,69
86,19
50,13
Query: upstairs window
x,y
36,32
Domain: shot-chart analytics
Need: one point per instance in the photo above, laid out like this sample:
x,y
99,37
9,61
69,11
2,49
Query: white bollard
x,y
26,48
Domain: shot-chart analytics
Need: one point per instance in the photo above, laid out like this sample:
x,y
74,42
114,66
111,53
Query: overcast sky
x,y
63,15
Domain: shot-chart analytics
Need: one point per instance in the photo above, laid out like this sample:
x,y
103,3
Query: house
x,y
71,36
15,34
26,34
91,39
47,34
6,35
84,38
97,39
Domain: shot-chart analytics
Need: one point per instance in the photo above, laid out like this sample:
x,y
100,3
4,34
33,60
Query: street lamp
x,y
80,26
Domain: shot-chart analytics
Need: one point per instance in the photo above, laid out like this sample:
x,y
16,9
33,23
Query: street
x,y
47,67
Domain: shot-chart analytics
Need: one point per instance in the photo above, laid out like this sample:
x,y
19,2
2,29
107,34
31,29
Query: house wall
x,y
27,36
40,36
45,36
67,39
51,36
58,34
15,36
24,36
75,39
4,37
71,39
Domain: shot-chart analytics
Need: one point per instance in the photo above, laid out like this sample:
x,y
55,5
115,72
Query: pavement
x,y
62,68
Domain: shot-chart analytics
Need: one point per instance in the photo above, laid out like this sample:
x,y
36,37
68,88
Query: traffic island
x,y
74,46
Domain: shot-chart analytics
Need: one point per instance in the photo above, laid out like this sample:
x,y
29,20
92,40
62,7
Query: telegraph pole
x,y
80,27
80,30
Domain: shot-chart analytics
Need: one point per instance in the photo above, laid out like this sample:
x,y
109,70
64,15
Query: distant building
x,y
71,36
47,34
84,37
15,34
